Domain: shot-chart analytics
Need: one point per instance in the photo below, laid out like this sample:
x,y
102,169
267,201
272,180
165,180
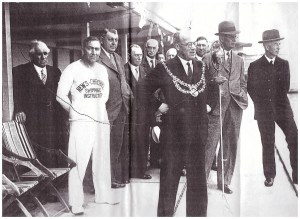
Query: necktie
x,y
271,62
137,74
152,63
190,72
43,76
112,59
228,58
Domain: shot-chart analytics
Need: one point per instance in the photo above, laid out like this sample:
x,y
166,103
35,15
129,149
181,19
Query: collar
x,y
269,60
133,67
226,51
39,69
149,59
199,57
184,62
107,53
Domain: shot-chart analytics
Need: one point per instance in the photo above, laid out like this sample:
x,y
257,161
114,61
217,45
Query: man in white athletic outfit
x,y
87,82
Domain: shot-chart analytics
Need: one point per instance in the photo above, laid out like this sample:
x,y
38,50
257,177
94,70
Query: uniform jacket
x,y
236,86
268,86
119,90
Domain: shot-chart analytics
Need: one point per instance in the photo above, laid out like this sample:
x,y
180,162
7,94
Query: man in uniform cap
x,y
268,85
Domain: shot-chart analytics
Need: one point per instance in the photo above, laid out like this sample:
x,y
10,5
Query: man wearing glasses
x,y
149,62
184,127
139,125
228,76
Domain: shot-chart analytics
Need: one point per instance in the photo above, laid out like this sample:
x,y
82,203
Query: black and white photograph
x,y
150,109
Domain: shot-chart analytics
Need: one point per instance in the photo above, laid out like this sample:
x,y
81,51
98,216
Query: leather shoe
x,y
145,176
227,190
269,182
117,185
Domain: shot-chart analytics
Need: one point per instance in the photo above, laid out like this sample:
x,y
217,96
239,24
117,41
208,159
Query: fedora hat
x,y
227,27
270,35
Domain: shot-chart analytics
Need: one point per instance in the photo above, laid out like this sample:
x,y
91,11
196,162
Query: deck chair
x,y
12,191
17,145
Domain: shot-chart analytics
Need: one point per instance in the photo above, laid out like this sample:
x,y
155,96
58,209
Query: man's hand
x,y
20,117
164,108
208,108
219,79
158,116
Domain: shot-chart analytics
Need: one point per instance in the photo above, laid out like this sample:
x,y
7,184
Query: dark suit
x,y
45,119
234,101
268,86
146,66
117,108
139,127
154,147
183,137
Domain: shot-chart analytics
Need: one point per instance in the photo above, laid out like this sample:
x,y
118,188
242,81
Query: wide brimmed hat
x,y
270,35
227,27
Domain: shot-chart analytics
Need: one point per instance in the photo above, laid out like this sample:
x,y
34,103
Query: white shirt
x,y
107,53
199,58
227,56
185,66
133,70
269,60
39,69
88,89
149,61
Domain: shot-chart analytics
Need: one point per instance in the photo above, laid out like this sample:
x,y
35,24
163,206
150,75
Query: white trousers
x,y
86,138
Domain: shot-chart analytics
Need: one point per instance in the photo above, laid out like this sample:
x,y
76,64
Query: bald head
x,y
185,44
171,53
152,48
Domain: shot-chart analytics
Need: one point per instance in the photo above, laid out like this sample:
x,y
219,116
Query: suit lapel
x,y
106,61
179,69
49,75
142,72
118,63
35,79
197,71
265,64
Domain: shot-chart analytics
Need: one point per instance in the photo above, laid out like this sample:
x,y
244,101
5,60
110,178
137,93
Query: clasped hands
x,y
219,79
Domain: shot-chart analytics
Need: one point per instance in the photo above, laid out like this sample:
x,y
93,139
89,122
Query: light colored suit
x,y
234,101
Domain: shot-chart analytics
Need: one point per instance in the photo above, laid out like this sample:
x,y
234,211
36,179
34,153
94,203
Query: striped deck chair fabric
x,y
18,145
16,140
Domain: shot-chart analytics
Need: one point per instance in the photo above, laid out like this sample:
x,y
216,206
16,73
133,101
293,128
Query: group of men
x,y
193,94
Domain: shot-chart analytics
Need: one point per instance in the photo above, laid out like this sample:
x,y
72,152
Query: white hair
x,y
37,43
